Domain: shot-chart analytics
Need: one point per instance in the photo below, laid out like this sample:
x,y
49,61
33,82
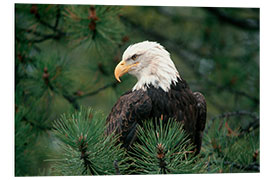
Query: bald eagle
x,y
160,92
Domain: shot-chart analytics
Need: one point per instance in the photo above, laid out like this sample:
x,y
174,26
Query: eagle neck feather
x,y
161,74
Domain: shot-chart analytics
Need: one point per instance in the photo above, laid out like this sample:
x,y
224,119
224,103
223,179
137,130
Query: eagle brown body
x,y
160,92
180,103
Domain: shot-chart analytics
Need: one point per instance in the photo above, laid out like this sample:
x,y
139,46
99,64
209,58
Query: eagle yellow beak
x,y
121,69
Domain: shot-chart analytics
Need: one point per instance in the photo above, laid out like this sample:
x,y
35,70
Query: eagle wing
x,y
201,119
130,108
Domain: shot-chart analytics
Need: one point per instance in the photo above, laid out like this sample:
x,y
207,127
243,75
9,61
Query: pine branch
x,y
41,37
163,148
254,124
220,88
23,118
236,113
224,146
36,125
112,84
44,38
30,31
160,155
85,156
57,32
239,23
24,143
44,23
84,146
58,15
72,100
249,167
242,93
115,164
79,95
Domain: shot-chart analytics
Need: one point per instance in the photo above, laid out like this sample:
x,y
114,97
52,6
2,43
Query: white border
x,y
198,3
7,80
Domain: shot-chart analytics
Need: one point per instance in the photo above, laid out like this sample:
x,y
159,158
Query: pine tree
x,y
164,149
49,80
85,150
64,61
229,149
84,146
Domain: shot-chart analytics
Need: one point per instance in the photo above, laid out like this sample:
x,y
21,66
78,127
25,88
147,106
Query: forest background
x,y
65,56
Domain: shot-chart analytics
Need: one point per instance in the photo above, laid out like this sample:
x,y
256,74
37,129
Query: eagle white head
x,y
150,63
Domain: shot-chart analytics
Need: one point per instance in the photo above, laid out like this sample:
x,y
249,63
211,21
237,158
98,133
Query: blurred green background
x,y
65,56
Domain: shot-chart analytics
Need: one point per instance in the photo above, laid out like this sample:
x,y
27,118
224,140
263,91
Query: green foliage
x,y
230,150
95,28
85,148
164,149
23,140
65,57
49,74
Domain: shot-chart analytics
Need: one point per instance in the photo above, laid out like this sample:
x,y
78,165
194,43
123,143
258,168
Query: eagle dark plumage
x,y
159,93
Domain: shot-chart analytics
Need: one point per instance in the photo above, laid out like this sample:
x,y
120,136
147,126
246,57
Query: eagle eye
x,y
134,57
